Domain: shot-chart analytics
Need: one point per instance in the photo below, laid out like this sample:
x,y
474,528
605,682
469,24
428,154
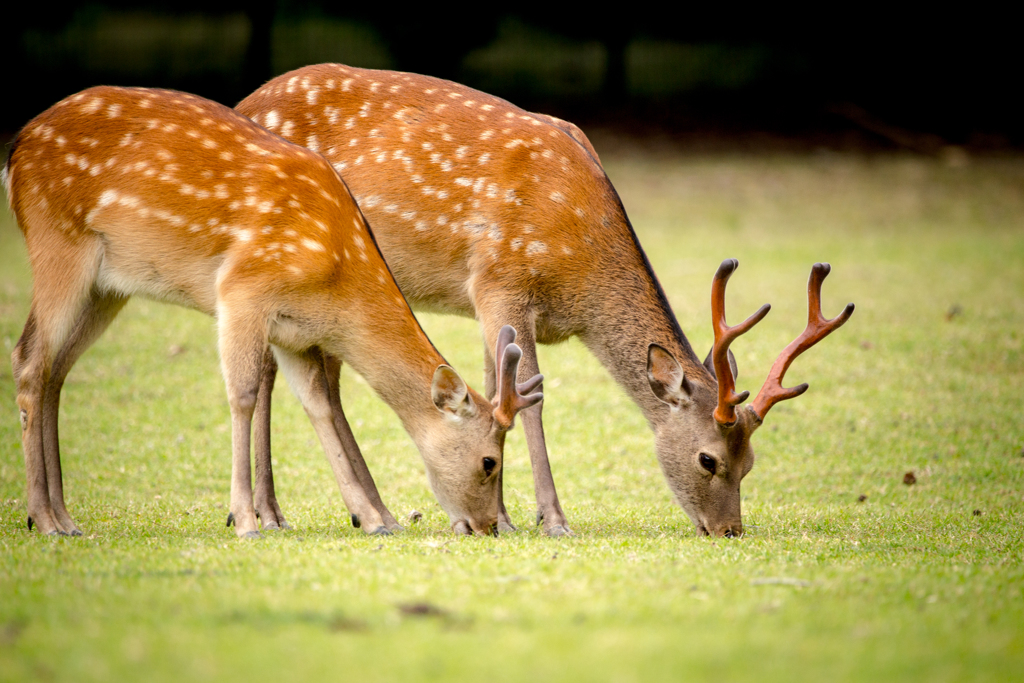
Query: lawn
x,y
844,573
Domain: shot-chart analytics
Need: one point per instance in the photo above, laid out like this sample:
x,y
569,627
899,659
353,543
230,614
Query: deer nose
x,y
488,529
733,531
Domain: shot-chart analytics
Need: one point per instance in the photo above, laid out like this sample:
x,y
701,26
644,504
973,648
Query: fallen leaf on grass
x,y
340,623
780,581
909,479
421,609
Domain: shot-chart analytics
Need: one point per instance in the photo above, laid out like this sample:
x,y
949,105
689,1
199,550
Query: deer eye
x,y
708,463
489,465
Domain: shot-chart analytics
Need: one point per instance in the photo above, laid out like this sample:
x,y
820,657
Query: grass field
x,y
913,582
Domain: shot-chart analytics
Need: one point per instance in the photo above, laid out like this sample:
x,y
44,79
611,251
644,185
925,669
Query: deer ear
x,y
668,382
710,365
450,393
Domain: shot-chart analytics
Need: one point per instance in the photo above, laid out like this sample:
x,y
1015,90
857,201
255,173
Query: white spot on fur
x,y
312,245
535,247
557,197
516,243
107,197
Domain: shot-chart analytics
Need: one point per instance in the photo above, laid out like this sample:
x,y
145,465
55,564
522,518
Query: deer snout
x,y
734,530
468,528
727,530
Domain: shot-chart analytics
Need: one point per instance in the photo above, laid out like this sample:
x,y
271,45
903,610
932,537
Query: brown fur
x,y
123,192
486,210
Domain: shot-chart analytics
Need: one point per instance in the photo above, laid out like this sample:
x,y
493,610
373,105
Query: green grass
x,y
922,582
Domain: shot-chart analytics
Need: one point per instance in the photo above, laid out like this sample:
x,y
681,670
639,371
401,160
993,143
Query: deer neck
x,y
389,349
632,313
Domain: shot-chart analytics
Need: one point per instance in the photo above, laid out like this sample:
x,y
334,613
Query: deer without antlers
x,y
123,191
486,210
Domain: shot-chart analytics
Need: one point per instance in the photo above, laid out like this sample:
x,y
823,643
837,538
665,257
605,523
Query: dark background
x,y
859,78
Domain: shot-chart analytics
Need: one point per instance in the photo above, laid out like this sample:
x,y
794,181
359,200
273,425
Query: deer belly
x,y
157,277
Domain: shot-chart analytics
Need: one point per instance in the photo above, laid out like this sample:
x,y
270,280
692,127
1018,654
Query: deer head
x,y
704,445
465,490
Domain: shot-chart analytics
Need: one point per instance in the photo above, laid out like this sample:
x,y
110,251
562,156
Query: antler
x,y
728,399
510,398
817,329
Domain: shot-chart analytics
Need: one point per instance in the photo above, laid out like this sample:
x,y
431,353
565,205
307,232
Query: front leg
x,y
332,370
549,509
505,524
242,342
306,376
267,508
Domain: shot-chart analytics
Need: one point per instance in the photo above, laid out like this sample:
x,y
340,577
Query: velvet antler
x,y
817,329
728,399
511,397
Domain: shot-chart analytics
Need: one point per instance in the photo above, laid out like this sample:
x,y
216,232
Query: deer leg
x,y
267,509
332,370
99,312
490,389
242,344
549,510
31,375
306,376
60,295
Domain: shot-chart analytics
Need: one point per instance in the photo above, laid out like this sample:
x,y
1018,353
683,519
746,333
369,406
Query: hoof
x,y
355,521
231,519
558,530
506,527
380,531
75,532
396,528
30,523
251,535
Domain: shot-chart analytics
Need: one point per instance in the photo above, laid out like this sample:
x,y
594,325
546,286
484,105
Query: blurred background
x,y
862,78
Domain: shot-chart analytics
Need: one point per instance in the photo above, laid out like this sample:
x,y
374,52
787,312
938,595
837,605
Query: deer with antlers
x,y
125,191
486,210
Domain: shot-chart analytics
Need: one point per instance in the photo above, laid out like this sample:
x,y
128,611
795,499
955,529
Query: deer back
x,y
473,194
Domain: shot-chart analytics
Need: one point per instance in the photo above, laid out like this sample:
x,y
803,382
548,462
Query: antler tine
x,y
818,327
510,398
728,399
506,335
